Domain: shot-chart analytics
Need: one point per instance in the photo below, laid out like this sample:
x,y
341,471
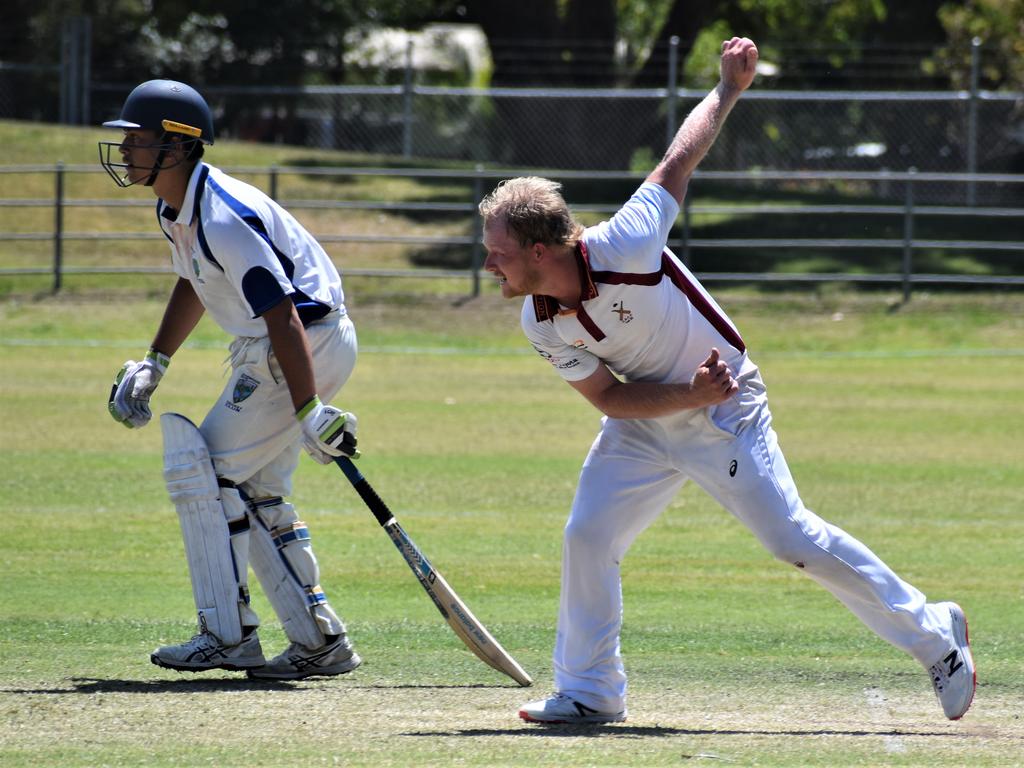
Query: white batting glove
x,y
133,386
327,432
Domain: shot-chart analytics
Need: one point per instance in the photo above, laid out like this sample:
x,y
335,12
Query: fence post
x,y
273,182
972,121
75,69
85,30
673,90
908,234
407,103
476,259
64,113
58,227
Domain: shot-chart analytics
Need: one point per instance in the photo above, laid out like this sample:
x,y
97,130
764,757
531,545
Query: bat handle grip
x,y
365,490
351,472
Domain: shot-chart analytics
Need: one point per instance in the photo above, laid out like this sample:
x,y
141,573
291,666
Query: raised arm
x,y
700,128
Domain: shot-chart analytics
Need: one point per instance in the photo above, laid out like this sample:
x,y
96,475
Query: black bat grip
x,y
365,490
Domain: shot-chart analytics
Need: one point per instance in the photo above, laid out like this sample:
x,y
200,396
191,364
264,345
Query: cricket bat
x,y
455,611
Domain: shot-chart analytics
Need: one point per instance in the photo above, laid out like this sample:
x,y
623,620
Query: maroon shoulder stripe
x,y
588,322
698,300
627,278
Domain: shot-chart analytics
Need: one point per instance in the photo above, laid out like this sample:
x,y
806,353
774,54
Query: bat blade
x,y
466,626
458,615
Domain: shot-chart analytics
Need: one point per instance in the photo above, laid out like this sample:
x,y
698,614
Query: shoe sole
x,y
230,666
587,720
967,652
340,668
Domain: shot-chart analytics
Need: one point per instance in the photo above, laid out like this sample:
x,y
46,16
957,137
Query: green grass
x,y
901,425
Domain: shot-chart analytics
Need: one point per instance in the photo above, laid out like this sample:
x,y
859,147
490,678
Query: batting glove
x,y
132,388
327,432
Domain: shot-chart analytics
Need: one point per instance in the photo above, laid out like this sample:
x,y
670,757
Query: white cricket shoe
x,y
205,651
564,709
953,676
297,661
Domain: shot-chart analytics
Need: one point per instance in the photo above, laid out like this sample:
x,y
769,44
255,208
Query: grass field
x,y
901,425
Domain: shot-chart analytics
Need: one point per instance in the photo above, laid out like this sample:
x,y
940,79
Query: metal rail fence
x,y
480,180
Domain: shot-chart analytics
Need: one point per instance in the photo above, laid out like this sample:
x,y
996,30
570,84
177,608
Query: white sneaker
x,y
953,676
563,709
297,661
205,651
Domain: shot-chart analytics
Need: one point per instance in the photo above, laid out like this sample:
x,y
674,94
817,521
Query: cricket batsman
x,y
263,278
627,325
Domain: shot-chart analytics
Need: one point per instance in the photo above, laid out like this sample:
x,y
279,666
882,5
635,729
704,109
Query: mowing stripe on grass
x,y
388,349
879,709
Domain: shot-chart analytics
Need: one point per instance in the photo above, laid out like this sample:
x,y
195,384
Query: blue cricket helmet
x,y
167,106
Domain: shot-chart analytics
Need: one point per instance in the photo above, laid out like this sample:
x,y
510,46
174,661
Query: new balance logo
x,y
952,662
583,709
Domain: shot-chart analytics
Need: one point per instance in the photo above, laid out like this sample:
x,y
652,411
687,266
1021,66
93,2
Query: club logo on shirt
x,y
244,387
625,315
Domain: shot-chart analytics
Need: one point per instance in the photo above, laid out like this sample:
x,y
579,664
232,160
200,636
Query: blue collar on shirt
x,y
193,196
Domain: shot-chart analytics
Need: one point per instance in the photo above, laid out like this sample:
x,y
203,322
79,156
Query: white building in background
x,y
457,54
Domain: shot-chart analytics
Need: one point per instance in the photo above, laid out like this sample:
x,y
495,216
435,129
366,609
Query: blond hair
x,y
534,211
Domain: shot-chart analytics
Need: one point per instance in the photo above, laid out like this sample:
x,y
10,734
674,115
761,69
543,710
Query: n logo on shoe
x,y
953,662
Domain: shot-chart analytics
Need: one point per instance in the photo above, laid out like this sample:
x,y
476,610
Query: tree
x,y
235,42
566,43
999,27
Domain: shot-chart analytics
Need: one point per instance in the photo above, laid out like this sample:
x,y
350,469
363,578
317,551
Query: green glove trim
x,y
159,358
312,403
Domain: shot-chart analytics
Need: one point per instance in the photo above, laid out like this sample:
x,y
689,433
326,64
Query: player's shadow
x,y
88,685
441,687
659,731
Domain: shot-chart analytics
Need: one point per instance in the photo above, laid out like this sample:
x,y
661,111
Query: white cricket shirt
x,y
642,313
243,253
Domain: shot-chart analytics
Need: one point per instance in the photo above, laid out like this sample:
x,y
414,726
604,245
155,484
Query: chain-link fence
x,y
934,132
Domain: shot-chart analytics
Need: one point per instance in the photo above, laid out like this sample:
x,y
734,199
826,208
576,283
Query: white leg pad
x,y
236,512
283,559
193,488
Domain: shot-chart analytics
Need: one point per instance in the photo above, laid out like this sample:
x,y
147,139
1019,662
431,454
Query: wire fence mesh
x,y
610,129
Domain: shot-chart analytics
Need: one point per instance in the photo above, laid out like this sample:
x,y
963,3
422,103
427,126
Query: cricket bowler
x,y
627,325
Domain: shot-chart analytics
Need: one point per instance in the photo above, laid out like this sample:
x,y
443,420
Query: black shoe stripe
x,y
583,709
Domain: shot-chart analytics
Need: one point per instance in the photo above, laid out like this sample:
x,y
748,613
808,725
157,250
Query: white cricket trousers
x,y
636,467
252,432
255,441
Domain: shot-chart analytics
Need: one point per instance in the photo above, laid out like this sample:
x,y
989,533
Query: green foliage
x,y
839,21
701,67
639,22
999,26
